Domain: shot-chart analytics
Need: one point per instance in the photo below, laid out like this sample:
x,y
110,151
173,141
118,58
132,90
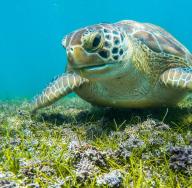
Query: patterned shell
x,y
156,38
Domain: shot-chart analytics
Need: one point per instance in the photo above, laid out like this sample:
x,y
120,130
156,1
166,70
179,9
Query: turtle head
x,y
96,52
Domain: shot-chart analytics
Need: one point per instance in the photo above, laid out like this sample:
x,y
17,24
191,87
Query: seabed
x,y
73,144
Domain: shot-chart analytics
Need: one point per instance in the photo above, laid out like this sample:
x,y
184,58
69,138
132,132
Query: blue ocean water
x,y
31,32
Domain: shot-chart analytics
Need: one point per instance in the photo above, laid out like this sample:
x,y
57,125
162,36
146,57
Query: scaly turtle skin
x,y
125,65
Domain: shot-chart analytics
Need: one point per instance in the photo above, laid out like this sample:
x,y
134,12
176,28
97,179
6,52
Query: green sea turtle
x,y
125,65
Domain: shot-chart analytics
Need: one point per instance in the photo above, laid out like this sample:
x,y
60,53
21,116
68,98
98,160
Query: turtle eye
x,y
96,41
93,42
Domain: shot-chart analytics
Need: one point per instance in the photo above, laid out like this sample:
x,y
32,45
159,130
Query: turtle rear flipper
x,y
60,87
179,78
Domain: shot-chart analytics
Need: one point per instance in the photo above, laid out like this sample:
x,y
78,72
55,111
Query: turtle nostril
x,y
64,42
70,50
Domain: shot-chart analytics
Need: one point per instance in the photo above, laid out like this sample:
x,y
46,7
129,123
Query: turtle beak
x,y
70,56
78,58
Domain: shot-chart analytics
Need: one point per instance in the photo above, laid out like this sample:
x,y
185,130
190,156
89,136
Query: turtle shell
x,y
155,38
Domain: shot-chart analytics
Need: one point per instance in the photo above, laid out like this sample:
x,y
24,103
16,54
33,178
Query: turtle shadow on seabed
x,y
111,119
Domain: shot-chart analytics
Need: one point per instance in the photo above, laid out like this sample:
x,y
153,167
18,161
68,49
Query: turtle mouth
x,y
94,67
97,67
96,72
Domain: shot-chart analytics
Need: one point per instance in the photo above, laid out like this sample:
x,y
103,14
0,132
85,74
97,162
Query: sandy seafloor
x,y
73,144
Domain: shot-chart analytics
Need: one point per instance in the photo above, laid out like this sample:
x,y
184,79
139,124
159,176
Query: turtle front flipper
x,y
179,78
60,87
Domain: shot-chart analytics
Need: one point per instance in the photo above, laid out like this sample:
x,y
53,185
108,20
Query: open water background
x,y
31,32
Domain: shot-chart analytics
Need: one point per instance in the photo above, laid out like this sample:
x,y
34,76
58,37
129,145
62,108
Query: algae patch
x,y
73,144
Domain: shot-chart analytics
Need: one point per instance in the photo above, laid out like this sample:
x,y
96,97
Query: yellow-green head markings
x,y
95,45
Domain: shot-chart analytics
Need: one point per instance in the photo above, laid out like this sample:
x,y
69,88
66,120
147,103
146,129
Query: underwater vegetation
x,y
72,144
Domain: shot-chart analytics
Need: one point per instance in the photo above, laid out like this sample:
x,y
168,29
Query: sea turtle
x,y
127,64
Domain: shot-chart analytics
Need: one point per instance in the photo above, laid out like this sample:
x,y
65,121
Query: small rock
x,y
181,159
111,179
85,169
90,152
125,148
